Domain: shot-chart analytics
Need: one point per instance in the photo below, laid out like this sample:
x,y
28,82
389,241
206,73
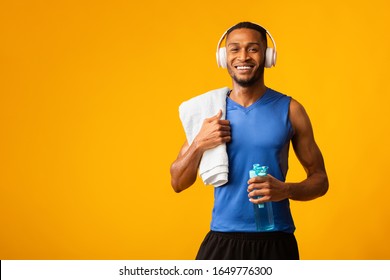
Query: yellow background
x,y
89,96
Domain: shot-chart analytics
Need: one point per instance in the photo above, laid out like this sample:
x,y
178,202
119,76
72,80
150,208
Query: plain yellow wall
x,y
89,96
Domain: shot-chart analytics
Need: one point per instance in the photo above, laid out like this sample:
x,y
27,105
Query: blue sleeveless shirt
x,y
261,133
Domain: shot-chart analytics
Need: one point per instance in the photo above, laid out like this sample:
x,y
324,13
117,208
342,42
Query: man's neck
x,y
246,96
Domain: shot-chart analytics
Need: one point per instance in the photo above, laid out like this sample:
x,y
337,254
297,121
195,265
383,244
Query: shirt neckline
x,y
250,107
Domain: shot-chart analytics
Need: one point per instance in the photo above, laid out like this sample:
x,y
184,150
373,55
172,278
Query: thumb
x,y
215,117
218,115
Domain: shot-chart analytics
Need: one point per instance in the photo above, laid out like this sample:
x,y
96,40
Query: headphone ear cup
x,y
221,59
270,58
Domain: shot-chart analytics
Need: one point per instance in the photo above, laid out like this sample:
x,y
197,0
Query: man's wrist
x,y
198,147
289,190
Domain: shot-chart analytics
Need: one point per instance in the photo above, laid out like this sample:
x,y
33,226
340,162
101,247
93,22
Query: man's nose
x,y
243,55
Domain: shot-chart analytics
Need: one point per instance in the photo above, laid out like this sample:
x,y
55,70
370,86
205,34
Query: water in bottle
x,y
263,212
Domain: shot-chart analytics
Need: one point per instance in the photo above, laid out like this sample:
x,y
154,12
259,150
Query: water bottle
x,y
264,216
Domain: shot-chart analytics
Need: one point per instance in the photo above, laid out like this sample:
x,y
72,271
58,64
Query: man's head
x,y
249,25
246,45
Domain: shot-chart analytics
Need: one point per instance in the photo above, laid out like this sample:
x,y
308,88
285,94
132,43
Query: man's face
x,y
245,56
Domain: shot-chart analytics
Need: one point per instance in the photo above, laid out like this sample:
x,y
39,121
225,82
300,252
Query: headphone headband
x,y
270,52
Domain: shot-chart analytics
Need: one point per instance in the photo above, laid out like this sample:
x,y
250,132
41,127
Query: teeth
x,y
243,67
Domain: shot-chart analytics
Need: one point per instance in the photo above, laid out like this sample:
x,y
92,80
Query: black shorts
x,y
248,246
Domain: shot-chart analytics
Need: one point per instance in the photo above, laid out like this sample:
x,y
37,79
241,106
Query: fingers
x,y
259,195
259,192
220,128
259,189
214,132
221,124
224,122
218,116
259,199
268,187
215,117
258,179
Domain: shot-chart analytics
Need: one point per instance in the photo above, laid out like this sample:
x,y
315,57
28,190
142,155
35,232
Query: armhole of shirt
x,y
292,133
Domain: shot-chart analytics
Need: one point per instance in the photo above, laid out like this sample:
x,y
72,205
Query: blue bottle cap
x,y
260,170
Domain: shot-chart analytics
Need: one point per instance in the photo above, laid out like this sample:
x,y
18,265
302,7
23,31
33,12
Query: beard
x,y
250,81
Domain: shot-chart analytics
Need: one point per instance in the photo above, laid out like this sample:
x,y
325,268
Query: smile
x,y
243,67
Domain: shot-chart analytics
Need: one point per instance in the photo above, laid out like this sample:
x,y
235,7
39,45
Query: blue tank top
x,y
261,133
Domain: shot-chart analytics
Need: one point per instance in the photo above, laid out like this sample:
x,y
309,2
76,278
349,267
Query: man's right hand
x,y
214,132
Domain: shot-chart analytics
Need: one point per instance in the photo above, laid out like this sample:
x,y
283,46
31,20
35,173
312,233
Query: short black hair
x,y
249,25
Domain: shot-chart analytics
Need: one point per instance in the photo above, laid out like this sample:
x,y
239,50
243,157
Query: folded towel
x,y
214,166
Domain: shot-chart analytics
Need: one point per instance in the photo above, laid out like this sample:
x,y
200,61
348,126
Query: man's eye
x,y
234,50
253,49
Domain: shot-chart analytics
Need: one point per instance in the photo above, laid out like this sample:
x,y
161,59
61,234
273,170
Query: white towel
x,y
214,166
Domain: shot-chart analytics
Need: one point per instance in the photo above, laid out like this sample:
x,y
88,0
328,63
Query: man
x,y
259,126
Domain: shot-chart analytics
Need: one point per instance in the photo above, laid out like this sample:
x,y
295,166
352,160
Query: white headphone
x,y
270,53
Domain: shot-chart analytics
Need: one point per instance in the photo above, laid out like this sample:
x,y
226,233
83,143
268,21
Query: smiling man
x,y
260,124
245,72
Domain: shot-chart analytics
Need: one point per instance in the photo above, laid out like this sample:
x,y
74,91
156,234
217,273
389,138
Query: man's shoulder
x,y
277,97
296,107
277,93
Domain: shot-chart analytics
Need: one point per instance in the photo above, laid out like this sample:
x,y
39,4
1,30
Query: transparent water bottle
x,y
264,216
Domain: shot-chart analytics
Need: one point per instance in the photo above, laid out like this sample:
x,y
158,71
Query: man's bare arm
x,y
309,155
184,169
